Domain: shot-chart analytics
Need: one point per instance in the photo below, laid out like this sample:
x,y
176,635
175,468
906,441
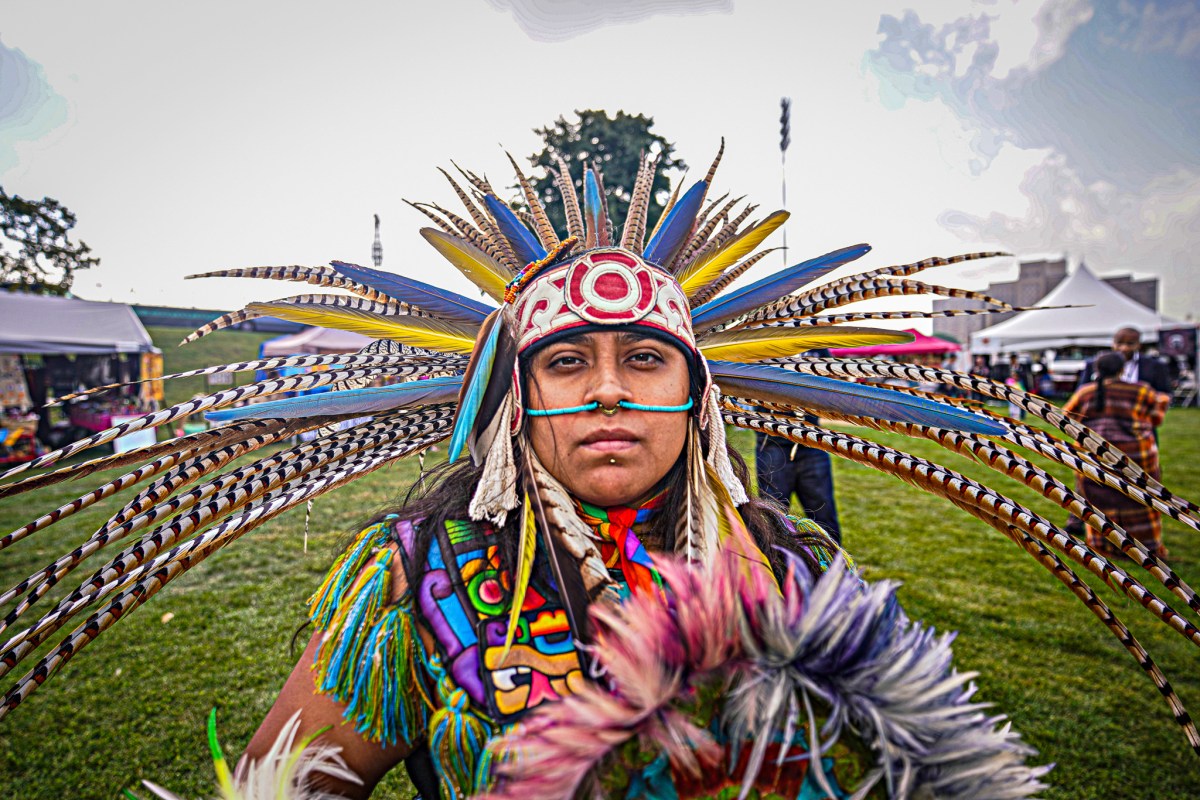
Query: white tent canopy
x,y
314,341
1102,311
31,323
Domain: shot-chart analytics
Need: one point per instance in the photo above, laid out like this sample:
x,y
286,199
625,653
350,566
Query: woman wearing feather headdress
x,y
587,598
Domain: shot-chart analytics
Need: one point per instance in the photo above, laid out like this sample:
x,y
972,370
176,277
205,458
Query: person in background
x,y
1019,377
980,369
948,389
785,468
1042,379
1127,342
1125,414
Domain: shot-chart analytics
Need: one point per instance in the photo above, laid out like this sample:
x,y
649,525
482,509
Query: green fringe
x,y
816,539
371,655
458,738
324,602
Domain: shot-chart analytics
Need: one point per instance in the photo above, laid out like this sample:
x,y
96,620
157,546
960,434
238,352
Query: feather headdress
x,y
189,501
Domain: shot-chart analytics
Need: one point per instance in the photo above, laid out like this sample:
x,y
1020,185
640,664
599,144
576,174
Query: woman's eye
x,y
646,358
565,361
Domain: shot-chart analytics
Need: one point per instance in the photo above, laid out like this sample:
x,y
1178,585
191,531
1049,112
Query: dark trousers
x,y
784,470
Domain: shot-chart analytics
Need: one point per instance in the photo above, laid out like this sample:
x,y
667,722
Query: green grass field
x,y
222,347
133,705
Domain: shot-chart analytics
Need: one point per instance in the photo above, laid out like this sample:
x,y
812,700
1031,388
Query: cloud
x,y
1054,23
559,20
1079,85
29,106
1150,231
978,65
1151,29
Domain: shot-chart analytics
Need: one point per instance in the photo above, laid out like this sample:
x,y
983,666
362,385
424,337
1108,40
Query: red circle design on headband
x,y
610,287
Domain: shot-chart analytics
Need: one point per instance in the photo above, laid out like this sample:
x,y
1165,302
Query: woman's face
x,y
608,460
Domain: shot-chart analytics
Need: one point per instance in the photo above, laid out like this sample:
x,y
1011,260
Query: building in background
x,y
1035,280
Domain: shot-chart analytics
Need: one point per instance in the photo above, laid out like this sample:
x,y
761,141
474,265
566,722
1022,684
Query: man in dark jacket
x,y
784,467
1138,368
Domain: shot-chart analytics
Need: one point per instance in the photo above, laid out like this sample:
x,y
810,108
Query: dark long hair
x,y
1108,365
444,493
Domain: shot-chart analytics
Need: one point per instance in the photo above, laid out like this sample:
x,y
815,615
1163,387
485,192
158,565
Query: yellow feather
x,y
780,342
735,537
527,549
424,332
706,270
480,268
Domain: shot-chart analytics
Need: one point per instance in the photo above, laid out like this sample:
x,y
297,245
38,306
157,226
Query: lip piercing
x,y
612,461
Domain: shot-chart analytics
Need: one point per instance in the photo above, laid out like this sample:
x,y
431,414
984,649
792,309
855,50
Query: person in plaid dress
x,y
1125,414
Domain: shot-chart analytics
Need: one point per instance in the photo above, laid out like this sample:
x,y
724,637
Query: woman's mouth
x,y
609,440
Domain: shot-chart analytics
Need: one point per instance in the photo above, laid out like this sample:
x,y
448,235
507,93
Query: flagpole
x,y
785,119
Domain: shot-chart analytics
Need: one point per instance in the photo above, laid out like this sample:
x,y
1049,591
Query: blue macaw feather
x,y
786,281
440,302
676,228
595,210
473,389
352,401
832,396
524,244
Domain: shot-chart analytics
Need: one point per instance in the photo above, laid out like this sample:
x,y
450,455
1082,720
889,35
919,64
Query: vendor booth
x,y
1098,311
52,346
922,348
1067,336
314,341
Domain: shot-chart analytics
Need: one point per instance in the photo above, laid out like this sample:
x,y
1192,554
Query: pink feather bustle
x,y
719,676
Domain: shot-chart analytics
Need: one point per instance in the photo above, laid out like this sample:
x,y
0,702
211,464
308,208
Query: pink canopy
x,y
920,345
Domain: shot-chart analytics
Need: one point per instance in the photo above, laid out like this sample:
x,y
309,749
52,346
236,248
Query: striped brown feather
x,y
729,276
570,199
541,222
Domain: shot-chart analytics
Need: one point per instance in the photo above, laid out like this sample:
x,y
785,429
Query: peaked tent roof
x,y
320,341
1103,310
31,323
920,345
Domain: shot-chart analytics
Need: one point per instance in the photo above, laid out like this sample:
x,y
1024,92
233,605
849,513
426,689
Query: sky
x,y
195,137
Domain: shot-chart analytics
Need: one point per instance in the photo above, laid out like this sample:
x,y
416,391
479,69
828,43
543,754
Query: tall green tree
x,y
615,145
36,251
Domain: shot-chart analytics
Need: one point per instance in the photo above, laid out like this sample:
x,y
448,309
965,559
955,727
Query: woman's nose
x,y
609,386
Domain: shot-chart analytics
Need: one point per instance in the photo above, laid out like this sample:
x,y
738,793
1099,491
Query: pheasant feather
x,y
524,244
720,284
743,301
634,232
666,212
499,246
472,262
823,395
353,401
423,332
757,344
704,270
824,298
566,188
676,227
545,231
700,240
444,303
318,276
595,210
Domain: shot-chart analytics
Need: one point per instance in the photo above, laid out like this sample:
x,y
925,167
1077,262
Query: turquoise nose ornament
x,y
608,412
